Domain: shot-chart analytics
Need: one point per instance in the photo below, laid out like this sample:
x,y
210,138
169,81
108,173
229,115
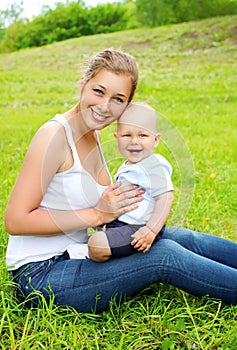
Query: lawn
x,y
188,72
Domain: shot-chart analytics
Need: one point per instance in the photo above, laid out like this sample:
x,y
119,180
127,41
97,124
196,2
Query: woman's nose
x,y
104,107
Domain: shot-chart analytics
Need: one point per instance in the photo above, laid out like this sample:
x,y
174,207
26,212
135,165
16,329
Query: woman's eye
x,y
98,91
119,99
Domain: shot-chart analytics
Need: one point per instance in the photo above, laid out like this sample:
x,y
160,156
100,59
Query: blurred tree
x,y
107,18
159,12
73,19
11,14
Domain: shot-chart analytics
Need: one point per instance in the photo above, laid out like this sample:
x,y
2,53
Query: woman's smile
x,y
98,117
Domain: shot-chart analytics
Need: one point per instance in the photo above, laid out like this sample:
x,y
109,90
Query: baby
x,y
137,137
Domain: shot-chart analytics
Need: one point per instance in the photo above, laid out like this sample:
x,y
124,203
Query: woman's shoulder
x,y
50,138
50,126
52,130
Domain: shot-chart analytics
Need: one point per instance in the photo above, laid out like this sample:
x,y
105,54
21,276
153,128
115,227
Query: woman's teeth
x,y
99,117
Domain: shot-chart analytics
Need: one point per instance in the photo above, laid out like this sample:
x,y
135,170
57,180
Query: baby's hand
x,y
143,239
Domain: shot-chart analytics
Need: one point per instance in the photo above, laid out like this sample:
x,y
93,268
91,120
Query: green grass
x,y
188,72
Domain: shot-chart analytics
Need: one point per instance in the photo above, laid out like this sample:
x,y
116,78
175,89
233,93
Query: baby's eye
x,y
143,135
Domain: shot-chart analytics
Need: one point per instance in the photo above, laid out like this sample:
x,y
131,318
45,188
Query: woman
x,y
64,188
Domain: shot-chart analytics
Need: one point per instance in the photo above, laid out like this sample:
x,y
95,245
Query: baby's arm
x,y
145,236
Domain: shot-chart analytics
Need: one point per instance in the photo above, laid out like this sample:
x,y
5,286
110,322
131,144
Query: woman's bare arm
x,y
46,154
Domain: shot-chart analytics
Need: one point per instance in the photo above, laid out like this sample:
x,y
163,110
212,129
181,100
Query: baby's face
x,y
135,142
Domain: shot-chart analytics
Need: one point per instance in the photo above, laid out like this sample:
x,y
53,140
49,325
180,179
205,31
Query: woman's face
x,y
104,98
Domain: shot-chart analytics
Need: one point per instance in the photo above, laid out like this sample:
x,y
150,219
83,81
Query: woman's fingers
x,y
117,200
123,196
129,191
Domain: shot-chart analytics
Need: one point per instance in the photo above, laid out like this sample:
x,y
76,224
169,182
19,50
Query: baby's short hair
x,y
140,114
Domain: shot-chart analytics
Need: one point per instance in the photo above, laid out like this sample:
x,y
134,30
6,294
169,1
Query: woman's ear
x,y
82,83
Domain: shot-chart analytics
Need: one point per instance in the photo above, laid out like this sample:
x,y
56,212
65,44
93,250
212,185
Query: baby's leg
x,y
98,247
119,238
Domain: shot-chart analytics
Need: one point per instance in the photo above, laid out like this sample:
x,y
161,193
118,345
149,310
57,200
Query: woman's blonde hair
x,y
115,61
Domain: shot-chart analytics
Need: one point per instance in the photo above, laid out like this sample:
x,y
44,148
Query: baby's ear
x,y
157,139
115,135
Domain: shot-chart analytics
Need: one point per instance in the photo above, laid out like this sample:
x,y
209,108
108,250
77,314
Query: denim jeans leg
x,y
209,246
89,286
183,258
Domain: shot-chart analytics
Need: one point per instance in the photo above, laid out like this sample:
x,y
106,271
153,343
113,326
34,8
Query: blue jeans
x,y
198,263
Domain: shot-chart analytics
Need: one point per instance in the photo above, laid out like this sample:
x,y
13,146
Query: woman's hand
x,y
117,200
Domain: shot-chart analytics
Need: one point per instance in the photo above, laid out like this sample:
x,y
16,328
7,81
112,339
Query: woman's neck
x,y
79,129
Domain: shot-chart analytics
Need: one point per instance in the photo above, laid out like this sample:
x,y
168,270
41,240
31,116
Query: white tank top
x,y
72,189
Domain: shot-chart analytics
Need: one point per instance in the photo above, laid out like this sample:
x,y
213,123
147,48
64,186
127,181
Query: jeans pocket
x,y
32,276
